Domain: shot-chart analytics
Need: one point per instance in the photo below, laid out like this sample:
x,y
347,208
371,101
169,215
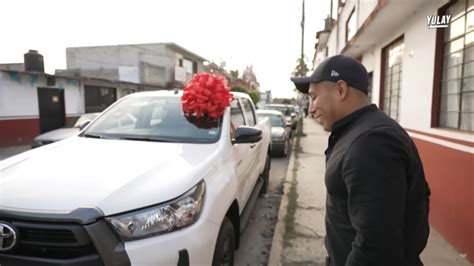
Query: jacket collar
x,y
344,122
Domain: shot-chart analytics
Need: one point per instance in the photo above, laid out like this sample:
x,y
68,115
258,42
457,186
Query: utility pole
x,y
302,31
301,67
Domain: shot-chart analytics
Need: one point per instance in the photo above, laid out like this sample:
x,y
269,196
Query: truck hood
x,y
112,175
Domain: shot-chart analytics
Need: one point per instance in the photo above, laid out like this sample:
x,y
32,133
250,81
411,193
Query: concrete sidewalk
x,y
299,233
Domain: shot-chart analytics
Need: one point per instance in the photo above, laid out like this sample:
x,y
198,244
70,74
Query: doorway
x,y
51,108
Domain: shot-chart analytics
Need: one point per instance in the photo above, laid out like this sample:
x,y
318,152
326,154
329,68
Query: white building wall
x,y
369,60
364,9
417,73
343,17
332,42
19,95
73,96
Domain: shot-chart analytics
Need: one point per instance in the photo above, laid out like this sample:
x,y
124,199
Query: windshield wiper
x,y
148,139
96,136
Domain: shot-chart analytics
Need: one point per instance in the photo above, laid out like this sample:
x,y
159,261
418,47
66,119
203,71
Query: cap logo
x,y
334,74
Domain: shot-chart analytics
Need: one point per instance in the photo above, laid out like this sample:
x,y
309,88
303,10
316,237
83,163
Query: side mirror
x,y
84,124
245,134
293,115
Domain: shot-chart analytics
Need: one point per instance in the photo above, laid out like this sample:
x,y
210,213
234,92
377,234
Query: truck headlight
x,y
163,218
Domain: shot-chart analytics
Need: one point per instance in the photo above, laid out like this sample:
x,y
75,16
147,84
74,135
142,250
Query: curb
x,y
277,242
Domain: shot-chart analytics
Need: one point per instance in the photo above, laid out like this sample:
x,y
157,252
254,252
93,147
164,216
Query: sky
x,y
263,33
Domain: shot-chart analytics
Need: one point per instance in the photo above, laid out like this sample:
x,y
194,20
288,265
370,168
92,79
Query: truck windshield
x,y
152,118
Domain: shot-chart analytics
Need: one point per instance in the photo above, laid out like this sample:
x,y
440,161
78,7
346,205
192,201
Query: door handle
x,y
252,145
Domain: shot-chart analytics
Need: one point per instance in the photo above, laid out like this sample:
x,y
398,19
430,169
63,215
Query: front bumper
x,y
198,241
278,145
91,242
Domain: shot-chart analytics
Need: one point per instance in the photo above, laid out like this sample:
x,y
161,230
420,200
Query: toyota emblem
x,y
8,237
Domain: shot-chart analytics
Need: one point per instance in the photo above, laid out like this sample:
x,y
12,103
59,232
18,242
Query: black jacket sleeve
x,y
374,172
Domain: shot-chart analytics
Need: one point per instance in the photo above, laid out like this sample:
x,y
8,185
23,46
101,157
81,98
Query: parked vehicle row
x,y
289,111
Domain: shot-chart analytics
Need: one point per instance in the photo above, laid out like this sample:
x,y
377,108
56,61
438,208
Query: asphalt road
x,y
256,240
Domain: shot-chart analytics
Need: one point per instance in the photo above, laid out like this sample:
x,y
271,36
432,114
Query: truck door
x,y
251,121
241,152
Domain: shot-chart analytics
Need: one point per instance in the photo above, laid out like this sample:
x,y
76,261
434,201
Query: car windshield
x,y
153,119
275,120
284,110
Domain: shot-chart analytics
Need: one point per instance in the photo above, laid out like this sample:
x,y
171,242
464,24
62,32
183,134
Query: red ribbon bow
x,y
206,94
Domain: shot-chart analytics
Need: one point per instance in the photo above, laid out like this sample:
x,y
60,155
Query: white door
x,y
242,152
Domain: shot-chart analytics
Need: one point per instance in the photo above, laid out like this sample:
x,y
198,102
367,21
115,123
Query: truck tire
x,y
225,245
266,175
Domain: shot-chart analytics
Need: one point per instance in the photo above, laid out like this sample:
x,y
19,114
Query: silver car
x,y
281,131
287,110
64,132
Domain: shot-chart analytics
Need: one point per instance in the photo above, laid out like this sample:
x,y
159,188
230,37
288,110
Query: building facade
x,y
167,65
421,73
32,103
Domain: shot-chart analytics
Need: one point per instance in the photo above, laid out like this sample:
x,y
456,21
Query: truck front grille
x,y
47,235
61,241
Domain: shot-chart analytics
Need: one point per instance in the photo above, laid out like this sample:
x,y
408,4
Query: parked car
x,y
159,189
65,132
287,110
281,131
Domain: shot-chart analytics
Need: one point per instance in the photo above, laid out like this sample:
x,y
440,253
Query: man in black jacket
x,y
377,196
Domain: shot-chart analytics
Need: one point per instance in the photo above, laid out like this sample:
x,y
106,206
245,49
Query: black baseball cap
x,y
334,68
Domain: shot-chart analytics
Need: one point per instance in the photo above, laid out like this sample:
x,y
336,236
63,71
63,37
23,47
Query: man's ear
x,y
342,89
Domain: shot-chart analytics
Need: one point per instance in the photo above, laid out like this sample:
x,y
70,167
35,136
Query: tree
x,y
234,74
301,68
254,94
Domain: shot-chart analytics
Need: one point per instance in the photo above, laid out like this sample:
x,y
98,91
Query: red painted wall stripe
x,y
449,173
18,132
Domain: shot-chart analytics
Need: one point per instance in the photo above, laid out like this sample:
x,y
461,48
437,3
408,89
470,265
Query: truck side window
x,y
236,115
249,112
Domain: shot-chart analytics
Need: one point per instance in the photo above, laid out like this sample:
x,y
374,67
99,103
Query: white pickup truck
x,y
140,185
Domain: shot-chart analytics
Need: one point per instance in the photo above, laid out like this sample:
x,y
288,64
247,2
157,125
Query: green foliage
x,y
254,94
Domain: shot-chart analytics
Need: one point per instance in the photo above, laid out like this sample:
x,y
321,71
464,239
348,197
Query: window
x,y
351,26
249,113
188,65
236,115
392,78
195,67
456,106
98,98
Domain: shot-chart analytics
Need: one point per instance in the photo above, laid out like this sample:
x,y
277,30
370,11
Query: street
x,y
256,240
